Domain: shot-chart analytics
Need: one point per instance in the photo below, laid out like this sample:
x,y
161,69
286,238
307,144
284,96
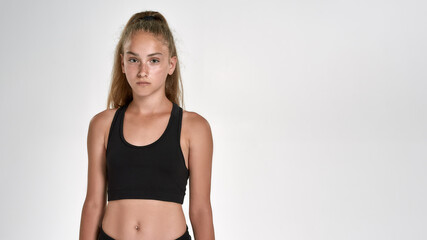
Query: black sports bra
x,y
154,171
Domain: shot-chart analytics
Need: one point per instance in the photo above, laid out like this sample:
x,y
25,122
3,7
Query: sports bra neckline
x,y
122,117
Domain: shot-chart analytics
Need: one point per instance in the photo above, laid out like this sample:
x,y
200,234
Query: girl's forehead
x,y
145,42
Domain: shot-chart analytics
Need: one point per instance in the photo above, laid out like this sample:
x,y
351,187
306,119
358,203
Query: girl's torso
x,y
144,218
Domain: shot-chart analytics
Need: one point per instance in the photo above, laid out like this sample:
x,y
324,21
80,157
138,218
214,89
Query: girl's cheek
x,y
153,68
131,67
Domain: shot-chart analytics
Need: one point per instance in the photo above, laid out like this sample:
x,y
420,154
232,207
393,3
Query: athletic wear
x,y
103,236
154,171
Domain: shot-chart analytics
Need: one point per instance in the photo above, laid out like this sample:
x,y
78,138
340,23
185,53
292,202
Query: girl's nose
x,y
143,70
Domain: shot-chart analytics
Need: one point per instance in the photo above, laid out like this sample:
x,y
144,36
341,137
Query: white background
x,y
317,109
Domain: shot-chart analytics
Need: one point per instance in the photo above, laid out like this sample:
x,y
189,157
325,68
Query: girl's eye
x,y
133,60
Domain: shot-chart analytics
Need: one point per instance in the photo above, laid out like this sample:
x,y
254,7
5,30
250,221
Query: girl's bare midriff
x,y
143,219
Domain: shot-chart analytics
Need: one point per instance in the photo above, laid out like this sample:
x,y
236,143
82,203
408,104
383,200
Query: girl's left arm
x,y
200,166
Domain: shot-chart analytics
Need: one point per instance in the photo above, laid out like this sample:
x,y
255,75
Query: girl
x,y
142,151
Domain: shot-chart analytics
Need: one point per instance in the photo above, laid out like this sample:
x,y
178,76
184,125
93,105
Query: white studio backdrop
x,y
317,109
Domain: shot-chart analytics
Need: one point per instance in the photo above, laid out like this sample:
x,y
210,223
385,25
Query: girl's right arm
x,y
95,201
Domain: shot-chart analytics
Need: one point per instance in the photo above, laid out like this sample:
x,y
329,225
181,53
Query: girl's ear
x,y
172,65
122,63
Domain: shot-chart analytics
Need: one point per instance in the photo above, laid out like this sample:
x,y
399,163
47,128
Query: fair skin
x,y
146,58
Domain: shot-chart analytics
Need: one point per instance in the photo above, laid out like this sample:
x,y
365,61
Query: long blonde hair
x,y
120,92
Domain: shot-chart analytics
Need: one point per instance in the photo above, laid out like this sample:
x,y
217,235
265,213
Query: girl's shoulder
x,y
104,117
100,123
194,123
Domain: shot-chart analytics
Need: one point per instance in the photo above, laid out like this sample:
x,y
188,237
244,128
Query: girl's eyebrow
x,y
149,55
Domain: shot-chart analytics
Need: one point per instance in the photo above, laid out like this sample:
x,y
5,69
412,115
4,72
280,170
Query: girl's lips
x,y
139,83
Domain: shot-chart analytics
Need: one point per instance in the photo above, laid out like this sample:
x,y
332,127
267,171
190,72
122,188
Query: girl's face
x,y
146,59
